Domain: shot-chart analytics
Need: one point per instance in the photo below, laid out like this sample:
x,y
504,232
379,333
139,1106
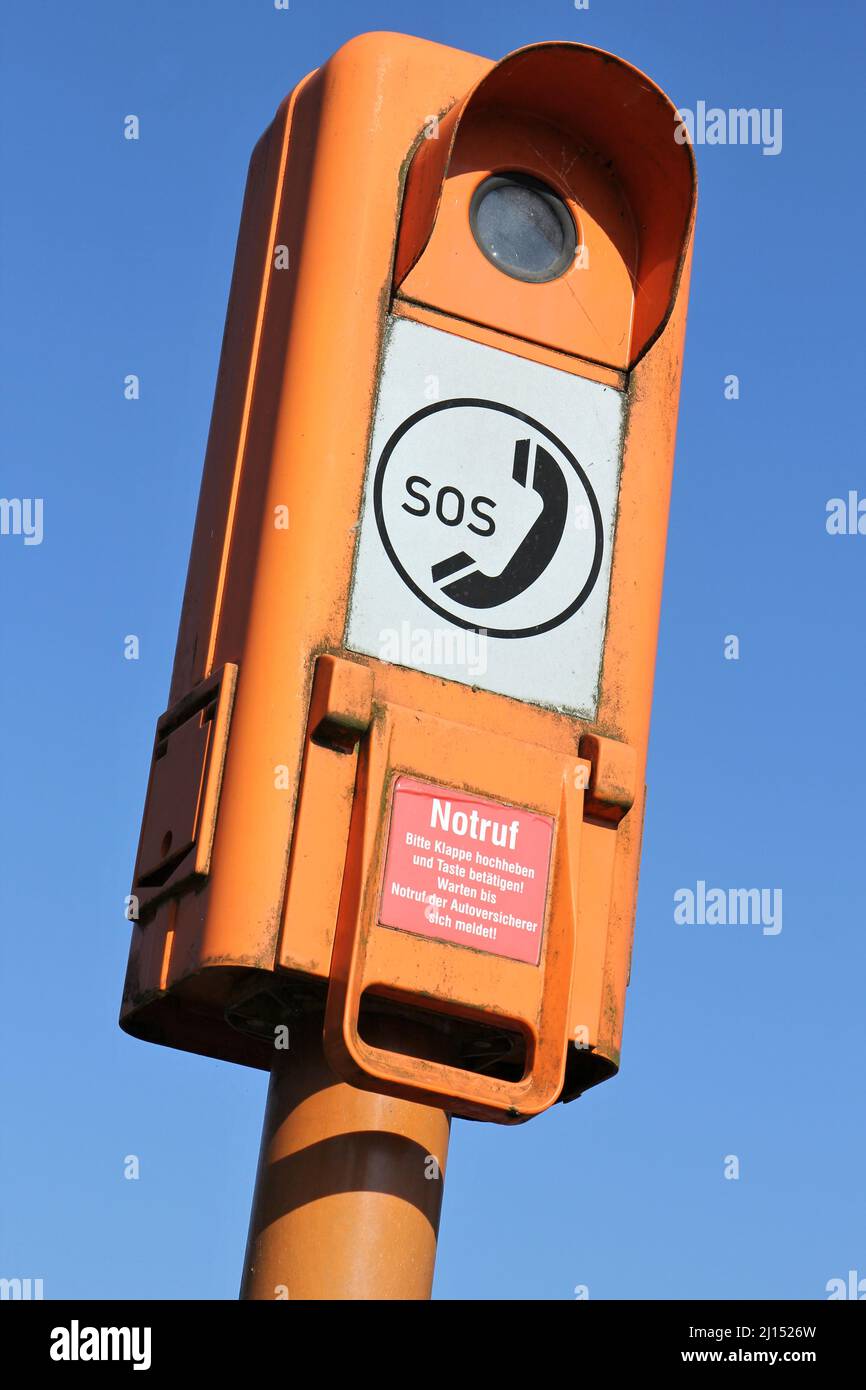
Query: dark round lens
x,y
523,227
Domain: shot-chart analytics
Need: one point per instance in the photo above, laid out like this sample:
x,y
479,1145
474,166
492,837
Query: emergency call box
x,y
399,785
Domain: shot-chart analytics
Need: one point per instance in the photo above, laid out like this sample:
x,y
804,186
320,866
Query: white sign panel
x,y
487,522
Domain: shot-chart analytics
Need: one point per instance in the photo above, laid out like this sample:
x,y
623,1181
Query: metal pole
x,y
349,1187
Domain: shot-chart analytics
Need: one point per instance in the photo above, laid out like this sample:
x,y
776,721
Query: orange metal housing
x,y
266,819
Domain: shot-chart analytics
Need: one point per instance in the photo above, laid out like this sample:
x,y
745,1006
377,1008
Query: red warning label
x,y
466,870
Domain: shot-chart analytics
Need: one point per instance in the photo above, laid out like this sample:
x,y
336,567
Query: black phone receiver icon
x,y
536,550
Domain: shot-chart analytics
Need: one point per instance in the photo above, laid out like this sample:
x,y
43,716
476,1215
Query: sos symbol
x,y
488,518
450,506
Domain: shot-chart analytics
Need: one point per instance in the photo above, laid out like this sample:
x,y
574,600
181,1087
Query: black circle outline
x,y
459,401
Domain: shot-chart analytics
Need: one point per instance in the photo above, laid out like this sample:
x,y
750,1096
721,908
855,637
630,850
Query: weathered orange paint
x,y
349,1188
372,215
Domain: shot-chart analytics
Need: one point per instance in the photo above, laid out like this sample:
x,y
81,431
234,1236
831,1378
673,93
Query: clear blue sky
x,y
116,258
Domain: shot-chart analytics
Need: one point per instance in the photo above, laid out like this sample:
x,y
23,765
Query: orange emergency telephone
x,y
399,786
